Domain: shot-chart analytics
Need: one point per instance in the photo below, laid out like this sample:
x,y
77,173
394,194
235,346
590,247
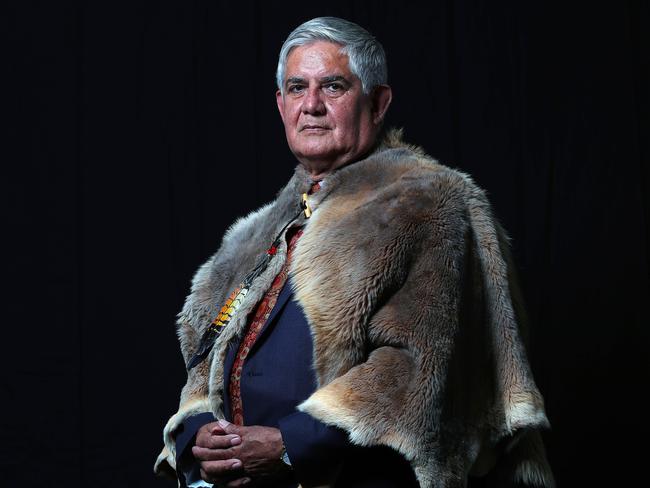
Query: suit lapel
x,y
283,298
233,347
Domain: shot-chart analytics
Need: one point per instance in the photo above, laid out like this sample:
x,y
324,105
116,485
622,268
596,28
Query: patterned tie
x,y
259,318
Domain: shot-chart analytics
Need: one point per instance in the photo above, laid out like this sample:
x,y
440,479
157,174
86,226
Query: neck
x,y
320,169
316,175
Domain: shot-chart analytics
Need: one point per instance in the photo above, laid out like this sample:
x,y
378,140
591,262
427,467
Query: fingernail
x,y
235,441
245,481
222,422
236,464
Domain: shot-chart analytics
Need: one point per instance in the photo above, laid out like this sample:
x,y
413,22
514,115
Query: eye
x,y
334,87
295,89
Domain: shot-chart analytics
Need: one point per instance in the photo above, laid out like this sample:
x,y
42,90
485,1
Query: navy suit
x,y
277,376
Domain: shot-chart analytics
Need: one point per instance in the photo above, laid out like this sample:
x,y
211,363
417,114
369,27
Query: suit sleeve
x,y
316,450
322,455
186,466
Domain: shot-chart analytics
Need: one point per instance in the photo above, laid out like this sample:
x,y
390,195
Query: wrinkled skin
x,y
329,122
230,455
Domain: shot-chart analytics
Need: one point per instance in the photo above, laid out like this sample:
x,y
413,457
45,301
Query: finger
x,y
206,454
216,429
218,441
217,469
210,427
228,428
207,431
238,482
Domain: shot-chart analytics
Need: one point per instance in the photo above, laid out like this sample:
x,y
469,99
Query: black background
x,y
137,131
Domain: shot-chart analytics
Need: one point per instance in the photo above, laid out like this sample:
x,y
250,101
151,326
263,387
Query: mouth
x,y
313,128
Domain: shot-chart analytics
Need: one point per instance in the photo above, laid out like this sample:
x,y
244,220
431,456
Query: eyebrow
x,y
325,79
330,79
294,79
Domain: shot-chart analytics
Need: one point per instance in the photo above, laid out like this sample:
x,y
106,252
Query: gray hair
x,y
366,56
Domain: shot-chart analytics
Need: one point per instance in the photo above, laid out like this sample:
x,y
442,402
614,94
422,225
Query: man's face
x,y
327,118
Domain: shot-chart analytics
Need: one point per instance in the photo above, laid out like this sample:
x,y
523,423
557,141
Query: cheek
x,y
294,116
350,125
345,119
291,113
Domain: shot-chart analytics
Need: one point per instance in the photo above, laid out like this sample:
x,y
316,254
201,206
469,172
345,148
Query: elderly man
x,y
362,330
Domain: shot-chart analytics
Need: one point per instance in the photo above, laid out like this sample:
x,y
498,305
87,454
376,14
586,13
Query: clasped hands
x,y
232,455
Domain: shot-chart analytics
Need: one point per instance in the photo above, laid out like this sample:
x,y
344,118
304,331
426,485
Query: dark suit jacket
x,y
277,376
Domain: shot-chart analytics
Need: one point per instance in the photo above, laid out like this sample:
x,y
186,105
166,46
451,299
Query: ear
x,y
381,95
279,99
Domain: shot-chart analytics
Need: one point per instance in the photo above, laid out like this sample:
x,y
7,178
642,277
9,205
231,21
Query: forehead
x,y
317,59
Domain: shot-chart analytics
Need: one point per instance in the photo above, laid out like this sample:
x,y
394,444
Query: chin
x,y
313,151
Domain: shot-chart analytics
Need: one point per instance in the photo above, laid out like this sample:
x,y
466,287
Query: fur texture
x,y
403,274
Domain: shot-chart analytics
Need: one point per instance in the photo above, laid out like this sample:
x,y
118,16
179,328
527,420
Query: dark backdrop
x,y
137,131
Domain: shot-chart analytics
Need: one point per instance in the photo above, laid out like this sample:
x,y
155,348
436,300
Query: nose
x,y
312,103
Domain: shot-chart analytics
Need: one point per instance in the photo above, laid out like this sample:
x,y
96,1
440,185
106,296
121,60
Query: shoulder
x,y
216,277
437,197
250,235
401,182
418,170
240,232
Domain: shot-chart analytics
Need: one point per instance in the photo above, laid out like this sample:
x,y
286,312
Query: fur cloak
x,y
404,277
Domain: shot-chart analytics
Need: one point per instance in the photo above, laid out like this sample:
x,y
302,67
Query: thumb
x,y
227,427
